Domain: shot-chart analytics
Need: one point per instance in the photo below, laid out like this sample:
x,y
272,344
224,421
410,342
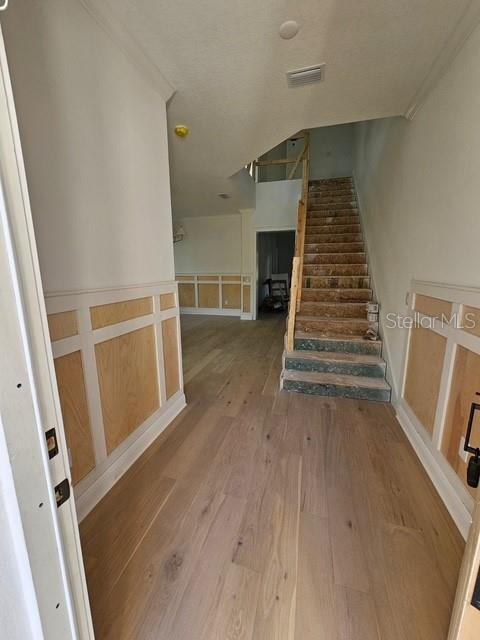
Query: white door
x,y
466,614
29,404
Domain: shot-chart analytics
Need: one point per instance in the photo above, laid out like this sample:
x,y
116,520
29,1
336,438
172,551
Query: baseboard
x,y
210,312
452,499
246,316
92,489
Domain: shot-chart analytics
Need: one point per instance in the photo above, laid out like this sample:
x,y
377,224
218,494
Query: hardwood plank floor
x,y
263,515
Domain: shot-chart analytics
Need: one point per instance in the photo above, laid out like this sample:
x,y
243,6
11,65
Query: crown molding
x,y
460,33
111,24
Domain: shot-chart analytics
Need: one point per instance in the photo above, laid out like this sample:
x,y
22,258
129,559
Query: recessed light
x,y
289,29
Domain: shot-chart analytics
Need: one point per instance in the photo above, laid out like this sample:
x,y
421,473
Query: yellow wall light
x,y
182,130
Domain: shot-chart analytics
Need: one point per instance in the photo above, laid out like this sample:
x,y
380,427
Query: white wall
x,y
332,151
94,139
419,188
276,204
212,244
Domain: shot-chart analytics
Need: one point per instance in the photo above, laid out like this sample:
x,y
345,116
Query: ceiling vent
x,y
307,75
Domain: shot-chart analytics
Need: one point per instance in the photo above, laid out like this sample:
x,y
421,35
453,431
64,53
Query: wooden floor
x,y
267,515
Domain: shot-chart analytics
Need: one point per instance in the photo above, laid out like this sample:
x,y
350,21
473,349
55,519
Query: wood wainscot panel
x,y
167,301
186,295
231,296
471,320
127,375
185,278
463,391
208,296
246,299
208,278
108,314
433,307
229,278
424,372
76,418
170,356
62,325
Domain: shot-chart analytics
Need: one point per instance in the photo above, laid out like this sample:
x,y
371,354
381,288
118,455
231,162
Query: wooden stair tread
x,y
336,379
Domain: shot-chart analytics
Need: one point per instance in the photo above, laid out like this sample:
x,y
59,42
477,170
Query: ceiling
x,y
228,63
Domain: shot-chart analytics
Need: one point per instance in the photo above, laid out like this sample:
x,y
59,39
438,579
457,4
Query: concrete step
x,y
335,198
336,282
334,309
350,364
313,341
332,220
330,384
332,229
334,247
335,270
322,238
327,192
334,258
331,206
331,183
336,295
333,326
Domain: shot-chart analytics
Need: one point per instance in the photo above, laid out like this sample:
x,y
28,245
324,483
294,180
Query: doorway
x,y
275,251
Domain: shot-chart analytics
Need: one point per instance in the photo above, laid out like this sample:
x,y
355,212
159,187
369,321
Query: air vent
x,y
307,75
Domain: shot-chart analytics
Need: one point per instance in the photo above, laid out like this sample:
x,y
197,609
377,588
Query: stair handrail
x,y
297,266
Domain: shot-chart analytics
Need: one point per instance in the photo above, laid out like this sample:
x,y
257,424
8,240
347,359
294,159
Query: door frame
x,y
258,230
29,395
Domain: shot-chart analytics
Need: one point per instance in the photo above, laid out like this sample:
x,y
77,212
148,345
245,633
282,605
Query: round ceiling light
x,y
289,29
182,130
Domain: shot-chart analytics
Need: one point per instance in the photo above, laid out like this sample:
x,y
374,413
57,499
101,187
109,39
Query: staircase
x,y
330,354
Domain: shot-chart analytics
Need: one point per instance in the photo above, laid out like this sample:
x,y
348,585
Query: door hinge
x,y
62,492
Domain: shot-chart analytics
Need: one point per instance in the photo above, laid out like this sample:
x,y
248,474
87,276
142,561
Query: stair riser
x,y
315,200
337,295
365,347
333,327
331,183
331,206
323,238
335,247
340,368
335,270
340,310
333,229
332,221
331,282
357,393
334,258
331,193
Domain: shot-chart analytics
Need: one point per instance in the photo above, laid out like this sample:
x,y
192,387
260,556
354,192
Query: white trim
x,y
113,26
246,316
210,312
444,483
459,35
94,487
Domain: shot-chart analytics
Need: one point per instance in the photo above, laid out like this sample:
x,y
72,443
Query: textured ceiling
x,y
227,64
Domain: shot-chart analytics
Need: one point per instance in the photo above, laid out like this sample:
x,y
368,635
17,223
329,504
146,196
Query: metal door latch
x,y
52,444
62,492
473,470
